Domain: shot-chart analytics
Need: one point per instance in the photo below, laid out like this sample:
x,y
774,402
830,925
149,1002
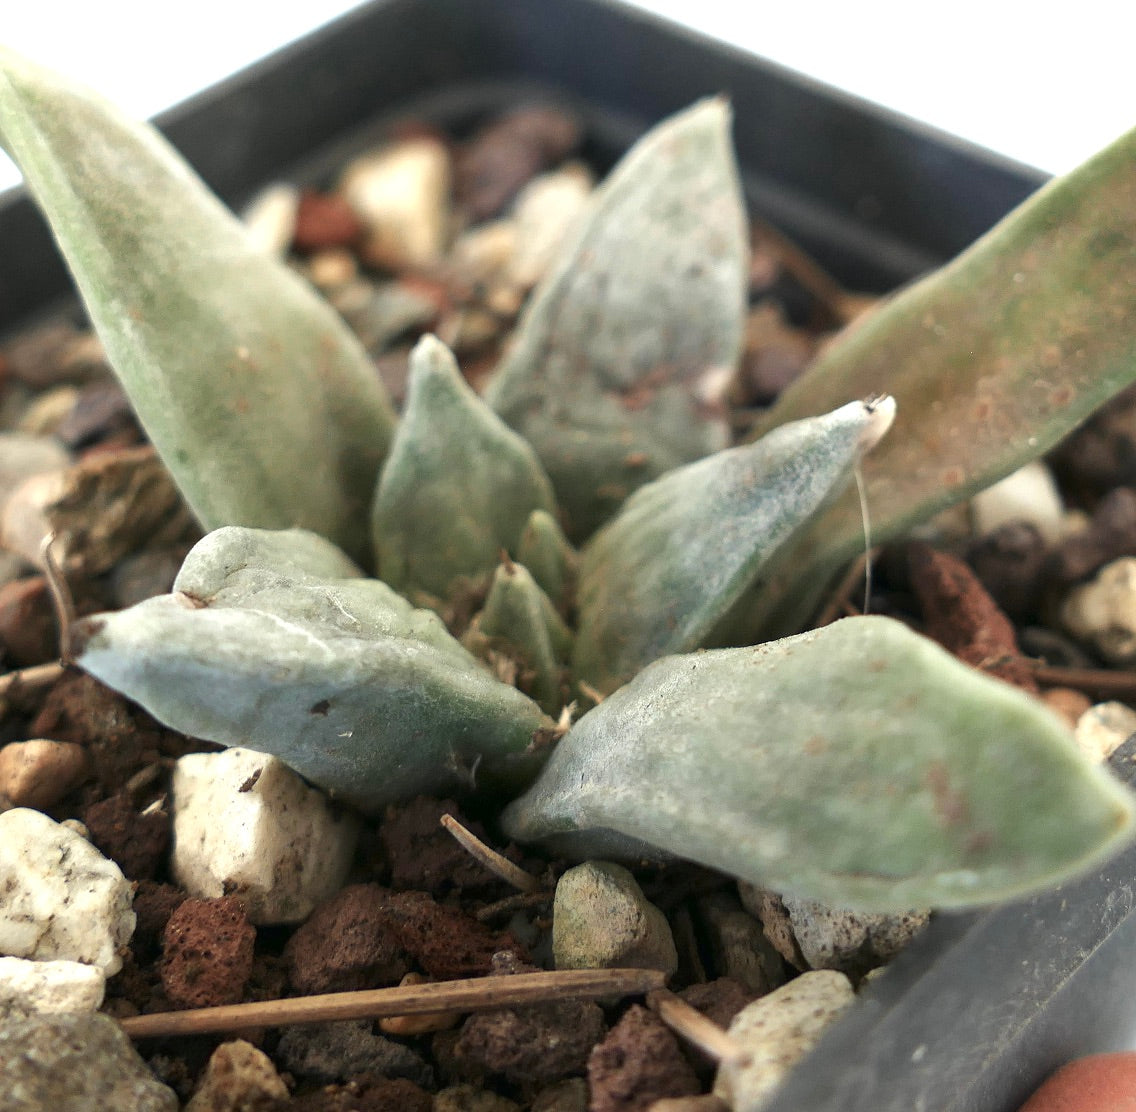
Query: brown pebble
x,y
533,1046
239,1078
325,220
410,1026
638,1063
1101,453
39,773
1098,1083
349,942
207,950
136,841
773,356
367,1092
508,152
1011,561
28,631
959,613
1067,702
719,1000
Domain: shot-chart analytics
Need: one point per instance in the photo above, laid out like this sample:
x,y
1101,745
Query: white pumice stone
x,y
62,898
545,211
37,987
1028,494
246,825
1103,611
270,218
1103,728
775,1032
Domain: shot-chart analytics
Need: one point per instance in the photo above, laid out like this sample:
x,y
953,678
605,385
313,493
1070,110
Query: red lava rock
x,y
1111,533
136,842
120,737
446,942
1011,562
533,1046
959,613
207,952
638,1063
325,220
505,154
154,903
1099,1083
349,942
28,633
366,1093
423,855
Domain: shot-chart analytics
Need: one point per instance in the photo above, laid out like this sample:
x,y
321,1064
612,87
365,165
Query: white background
x,y
1044,83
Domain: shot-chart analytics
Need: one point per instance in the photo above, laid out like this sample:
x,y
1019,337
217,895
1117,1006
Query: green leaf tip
x,y
666,573
519,622
858,764
261,402
620,362
993,359
458,487
274,641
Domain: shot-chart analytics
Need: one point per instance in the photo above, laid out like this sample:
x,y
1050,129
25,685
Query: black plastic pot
x,y
984,1006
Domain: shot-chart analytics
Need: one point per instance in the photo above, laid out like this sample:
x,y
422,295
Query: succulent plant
x,y
856,763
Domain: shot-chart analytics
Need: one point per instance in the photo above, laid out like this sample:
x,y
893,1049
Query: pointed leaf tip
x,y
261,402
858,764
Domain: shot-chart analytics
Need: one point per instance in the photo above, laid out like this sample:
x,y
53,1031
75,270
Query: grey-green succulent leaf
x,y
275,642
622,357
519,621
858,764
259,399
457,488
992,359
549,557
666,573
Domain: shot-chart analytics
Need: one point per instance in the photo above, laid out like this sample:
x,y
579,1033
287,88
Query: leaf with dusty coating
x,y
620,361
457,489
274,641
260,401
992,360
858,764
665,574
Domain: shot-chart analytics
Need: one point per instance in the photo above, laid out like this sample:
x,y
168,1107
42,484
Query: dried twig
x,y
1102,681
469,995
497,864
61,597
693,1026
840,598
808,272
35,678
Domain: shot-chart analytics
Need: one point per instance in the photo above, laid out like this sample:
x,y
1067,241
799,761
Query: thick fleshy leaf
x,y
260,401
620,361
458,487
992,360
552,561
520,624
275,642
858,764
666,573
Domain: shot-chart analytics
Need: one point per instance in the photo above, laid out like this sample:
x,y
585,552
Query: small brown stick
x,y
841,598
693,1026
499,866
475,994
510,905
1103,681
61,597
35,678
